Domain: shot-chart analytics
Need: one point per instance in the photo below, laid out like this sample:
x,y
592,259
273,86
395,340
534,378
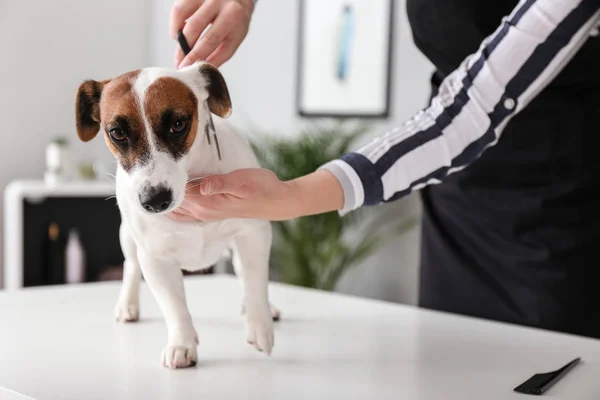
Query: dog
x,y
159,124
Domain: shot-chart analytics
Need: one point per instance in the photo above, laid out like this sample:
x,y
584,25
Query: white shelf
x,y
37,188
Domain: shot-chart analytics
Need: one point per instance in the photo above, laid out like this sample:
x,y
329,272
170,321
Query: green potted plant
x,y
316,251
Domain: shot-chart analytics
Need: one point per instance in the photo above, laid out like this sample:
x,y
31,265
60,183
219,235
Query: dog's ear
x,y
87,109
219,101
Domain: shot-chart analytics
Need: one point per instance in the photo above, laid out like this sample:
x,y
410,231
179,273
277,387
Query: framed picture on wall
x,y
344,58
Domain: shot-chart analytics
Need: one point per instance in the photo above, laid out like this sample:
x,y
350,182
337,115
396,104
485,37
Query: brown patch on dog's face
x,y
123,123
172,111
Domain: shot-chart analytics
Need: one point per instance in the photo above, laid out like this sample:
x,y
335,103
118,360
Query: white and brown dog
x,y
158,124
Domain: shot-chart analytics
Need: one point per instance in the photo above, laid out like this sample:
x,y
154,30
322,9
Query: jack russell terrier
x,y
158,123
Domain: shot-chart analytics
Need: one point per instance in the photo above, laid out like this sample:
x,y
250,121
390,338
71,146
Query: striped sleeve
x,y
473,104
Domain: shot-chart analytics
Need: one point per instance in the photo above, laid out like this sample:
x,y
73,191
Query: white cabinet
x,y
29,208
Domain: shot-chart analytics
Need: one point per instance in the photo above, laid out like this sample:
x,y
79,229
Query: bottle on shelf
x,y
74,259
54,255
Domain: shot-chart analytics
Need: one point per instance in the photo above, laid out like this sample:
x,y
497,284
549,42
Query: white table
x,y
61,343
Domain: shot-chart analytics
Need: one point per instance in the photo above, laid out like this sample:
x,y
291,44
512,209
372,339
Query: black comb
x,y
185,47
539,383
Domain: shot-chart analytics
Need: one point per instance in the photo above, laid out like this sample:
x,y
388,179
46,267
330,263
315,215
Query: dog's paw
x,y
180,356
259,329
275,313
181,349
127,311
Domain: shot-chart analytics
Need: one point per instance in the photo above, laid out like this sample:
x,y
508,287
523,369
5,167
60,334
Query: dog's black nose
x,y
157,199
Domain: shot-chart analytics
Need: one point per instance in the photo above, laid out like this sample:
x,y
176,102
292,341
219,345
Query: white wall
x,y
262,81
48,48
262,74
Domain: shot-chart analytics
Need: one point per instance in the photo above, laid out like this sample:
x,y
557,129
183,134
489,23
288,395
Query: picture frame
x,y
344,67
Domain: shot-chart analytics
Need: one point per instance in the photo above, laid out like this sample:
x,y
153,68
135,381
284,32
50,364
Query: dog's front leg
x,y
128,305
239,272
252,255
166,283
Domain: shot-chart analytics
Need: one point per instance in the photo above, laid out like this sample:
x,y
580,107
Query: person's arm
x,y
473,105
467,116
259,194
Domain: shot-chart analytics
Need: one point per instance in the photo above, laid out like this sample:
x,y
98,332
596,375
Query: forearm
x,y
473,105
314,193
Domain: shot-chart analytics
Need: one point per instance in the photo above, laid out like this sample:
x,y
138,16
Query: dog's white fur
x,y
160,247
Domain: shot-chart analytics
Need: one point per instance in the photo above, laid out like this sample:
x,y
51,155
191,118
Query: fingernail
x,y
184,63
206,187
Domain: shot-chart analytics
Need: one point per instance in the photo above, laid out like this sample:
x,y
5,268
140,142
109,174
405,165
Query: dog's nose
x,y
156,200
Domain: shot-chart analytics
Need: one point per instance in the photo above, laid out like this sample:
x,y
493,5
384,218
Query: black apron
x,y
515,237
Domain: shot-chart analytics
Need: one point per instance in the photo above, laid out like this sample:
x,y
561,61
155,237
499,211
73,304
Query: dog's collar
x,y
210,129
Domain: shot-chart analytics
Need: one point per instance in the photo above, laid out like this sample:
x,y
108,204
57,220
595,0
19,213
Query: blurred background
x,y
57,218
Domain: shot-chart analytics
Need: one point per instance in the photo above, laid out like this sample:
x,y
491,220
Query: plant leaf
x,y
313,251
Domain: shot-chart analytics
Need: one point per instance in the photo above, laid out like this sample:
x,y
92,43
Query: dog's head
x,y
150,119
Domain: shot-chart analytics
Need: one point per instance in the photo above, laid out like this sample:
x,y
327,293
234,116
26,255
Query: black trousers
x,y
515,237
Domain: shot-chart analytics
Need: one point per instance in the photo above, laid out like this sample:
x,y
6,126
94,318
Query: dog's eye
x,y
117,134
179,126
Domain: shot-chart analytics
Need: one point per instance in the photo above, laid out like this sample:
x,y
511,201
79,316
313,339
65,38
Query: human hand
x,y
258,194
230,21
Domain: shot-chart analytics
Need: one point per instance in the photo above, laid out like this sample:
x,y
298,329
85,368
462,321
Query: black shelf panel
x,y
97,221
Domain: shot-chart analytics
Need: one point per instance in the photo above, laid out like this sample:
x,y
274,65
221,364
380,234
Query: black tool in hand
x,y
185,47
540,383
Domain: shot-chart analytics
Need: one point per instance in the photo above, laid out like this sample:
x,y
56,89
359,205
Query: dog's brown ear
x,y
87,109
219,101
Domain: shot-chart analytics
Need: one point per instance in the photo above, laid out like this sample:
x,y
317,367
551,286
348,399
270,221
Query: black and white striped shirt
x,y
473,105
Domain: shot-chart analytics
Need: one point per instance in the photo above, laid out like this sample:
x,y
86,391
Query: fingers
x,y
221,28
197,24
178,56
212,185
180,12
197,208
227,49
241,183
220,184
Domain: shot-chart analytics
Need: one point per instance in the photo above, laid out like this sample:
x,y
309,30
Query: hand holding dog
x,y
258,193
230,21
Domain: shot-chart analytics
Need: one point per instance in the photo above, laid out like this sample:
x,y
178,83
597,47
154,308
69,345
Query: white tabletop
x,y
61,343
